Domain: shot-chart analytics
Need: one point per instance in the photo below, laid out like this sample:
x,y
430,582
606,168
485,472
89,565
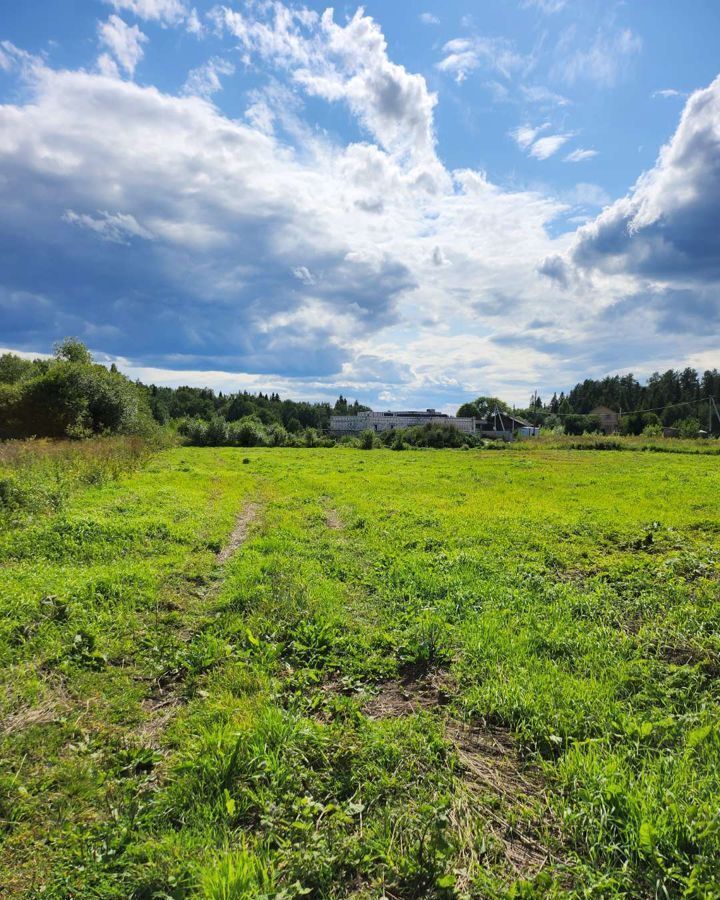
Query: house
x,y
609,419
505,426
385,421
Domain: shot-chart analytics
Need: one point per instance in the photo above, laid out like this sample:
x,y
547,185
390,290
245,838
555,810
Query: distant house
x,y
505,426
609,419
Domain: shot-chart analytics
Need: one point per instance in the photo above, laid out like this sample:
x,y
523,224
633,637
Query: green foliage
x,y
367,440
289,720
72,397
431,435
482,407
688,428
74,351
575,424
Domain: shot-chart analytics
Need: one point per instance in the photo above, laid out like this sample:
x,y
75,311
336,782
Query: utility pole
x,y
715,407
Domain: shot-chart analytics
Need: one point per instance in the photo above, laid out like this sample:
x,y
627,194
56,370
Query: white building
x,y
385,421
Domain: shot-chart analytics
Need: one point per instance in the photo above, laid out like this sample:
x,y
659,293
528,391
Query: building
x,y
609,419
505,426
385,421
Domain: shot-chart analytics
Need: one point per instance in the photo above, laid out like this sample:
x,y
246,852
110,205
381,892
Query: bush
x,y
366,441
688,428
247,432
577,425
73,397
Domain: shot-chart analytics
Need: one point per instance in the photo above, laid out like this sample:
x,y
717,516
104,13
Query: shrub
x,y
688,428
246,432
73,397
366,441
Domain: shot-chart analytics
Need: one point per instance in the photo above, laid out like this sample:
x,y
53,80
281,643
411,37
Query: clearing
x,y
337,673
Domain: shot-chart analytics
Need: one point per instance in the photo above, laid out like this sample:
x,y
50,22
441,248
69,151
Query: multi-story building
x,y
385,421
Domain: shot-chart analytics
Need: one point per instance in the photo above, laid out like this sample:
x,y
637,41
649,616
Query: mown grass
x,y
423,674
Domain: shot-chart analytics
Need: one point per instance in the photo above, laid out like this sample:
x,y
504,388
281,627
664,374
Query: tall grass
x,y
40,475
699,446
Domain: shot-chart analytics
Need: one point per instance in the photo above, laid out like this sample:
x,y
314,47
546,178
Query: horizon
x,y
409,206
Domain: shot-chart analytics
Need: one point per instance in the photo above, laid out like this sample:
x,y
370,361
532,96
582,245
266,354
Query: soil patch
x,y
408,695
239,532
333,520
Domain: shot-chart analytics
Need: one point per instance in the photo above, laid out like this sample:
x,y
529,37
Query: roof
x,y
602,409
504,417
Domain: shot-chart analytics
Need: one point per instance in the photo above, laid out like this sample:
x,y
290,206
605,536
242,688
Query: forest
x,y
71,395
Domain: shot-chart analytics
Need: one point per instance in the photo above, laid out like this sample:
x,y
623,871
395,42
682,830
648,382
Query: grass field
x,y
335,673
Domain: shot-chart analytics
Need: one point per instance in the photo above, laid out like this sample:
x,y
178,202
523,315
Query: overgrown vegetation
x,y
41,475
68,396
288,673
676,398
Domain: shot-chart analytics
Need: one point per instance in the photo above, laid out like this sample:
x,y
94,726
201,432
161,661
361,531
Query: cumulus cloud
x,y
343,63
124,43
555,268
654,255
428,18
668,227
262,245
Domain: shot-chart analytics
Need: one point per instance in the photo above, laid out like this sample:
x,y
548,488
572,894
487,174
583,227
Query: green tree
x,y
13,368
481,407
72,350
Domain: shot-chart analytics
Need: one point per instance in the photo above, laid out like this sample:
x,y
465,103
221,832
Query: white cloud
x,y
169,12
670,222
549,7
345,63
302,273
527,138
546,147
429,19
464,55
668,94
604,61
204,81
580,155
123,41
114,227
525,135
542,96
309,263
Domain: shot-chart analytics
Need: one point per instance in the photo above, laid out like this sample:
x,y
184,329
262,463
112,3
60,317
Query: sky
x,y
407,203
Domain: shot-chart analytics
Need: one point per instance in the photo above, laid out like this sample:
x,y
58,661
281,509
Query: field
x,y
334,673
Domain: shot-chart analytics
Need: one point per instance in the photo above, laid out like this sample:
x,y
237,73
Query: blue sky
x,y
409,203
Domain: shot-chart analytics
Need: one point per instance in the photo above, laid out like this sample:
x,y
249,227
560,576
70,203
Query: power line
x,y
653,408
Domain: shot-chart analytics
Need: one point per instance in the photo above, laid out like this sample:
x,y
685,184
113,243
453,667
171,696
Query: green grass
x,y
423,674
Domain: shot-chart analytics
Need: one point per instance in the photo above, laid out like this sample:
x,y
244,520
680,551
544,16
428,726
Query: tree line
x,y
70,395
672,399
